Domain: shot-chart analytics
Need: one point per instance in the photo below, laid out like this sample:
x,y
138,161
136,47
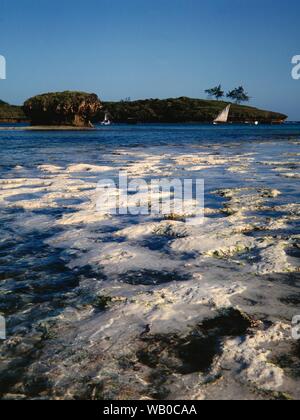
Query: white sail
x,y
223,116
106,120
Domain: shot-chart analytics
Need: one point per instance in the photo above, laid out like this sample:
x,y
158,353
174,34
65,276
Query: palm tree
x,y
216,92
238,95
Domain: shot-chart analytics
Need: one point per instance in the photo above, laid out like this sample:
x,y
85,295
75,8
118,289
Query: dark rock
x,y
197,351
77,109
101,303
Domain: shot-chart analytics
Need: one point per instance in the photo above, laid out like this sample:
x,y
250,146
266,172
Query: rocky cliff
x,y
77,109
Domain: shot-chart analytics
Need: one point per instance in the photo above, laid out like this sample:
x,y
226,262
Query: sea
x,y
150,306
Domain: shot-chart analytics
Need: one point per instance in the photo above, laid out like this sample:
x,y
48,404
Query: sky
x,y
152,49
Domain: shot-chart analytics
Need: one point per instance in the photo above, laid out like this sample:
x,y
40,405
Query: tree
x,y
128,99
216,92
239,95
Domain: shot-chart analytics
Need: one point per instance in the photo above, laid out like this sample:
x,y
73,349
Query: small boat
x,y
222,118
106,120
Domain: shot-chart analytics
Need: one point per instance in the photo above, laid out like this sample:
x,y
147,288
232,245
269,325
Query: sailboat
x,y
222,118
106,120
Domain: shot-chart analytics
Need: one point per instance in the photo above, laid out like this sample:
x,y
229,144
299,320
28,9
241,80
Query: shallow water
x,y
78,290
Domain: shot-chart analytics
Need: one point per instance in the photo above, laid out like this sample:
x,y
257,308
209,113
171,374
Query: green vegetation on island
x,y
215,92
11,113
186,110
81,109
77,109
237,95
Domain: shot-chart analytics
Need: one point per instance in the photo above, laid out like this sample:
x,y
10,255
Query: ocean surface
x,y
110,307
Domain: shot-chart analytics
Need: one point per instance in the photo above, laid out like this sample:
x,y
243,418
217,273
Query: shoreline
x,y
97,126
46,128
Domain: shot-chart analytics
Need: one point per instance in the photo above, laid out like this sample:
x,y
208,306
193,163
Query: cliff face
x,y
182,110
77,109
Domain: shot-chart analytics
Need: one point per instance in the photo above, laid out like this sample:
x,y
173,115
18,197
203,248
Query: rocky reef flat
x,y
150,307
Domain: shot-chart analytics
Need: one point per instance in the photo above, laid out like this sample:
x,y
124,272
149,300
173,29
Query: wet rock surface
x,y
107,307
197,351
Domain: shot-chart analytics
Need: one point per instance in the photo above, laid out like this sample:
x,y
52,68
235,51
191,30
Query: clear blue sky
x,y
157,48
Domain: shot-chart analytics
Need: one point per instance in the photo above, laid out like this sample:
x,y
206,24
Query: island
x,y
186,110
11,114
75,109
80,110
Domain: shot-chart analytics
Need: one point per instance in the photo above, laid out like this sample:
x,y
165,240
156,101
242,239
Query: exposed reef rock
x,y
106,307
77,109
